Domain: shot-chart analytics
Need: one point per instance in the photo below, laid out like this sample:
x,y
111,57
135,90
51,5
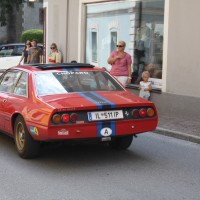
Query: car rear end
x,y
80,117
88,103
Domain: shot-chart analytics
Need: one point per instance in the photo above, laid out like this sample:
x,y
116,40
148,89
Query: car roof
x,y
62,65
13,44
16,44
46,67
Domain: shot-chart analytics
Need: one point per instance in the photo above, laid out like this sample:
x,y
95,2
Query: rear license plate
x,y
105,115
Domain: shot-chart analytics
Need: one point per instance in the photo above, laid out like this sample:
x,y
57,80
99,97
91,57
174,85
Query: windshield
x,y
48,83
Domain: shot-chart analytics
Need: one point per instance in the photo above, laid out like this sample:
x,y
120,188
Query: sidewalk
x,y
179,128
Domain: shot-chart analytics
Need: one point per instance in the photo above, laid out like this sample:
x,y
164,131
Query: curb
x,y
178,135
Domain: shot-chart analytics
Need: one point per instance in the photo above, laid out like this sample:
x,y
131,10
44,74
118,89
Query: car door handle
x,y
4,100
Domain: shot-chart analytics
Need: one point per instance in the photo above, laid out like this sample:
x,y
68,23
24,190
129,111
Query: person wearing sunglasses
x,y
25,52
55,55
121,64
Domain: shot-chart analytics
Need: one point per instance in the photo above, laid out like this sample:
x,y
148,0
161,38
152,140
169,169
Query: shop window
x,y
139,24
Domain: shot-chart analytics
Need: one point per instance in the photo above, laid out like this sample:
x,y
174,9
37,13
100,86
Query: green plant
x,y
32,34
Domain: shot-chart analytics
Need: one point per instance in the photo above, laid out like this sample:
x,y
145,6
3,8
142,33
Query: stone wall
x,y
32,16
28,17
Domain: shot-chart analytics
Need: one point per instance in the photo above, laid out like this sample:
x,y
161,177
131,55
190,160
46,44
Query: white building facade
x,y
162,37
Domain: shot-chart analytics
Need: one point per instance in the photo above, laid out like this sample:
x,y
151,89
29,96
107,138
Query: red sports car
x,y
54,102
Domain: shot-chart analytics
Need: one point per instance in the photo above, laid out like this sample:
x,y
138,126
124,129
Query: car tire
x,y
26,146
121,143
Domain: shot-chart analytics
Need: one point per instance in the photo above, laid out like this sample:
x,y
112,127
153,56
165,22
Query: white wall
x,y
62,27
73,30
182,48
56,24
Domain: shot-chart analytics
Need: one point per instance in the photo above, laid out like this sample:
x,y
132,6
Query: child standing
x,y
145,86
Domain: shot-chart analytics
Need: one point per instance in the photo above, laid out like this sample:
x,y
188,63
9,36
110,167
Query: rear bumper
x,y
92,130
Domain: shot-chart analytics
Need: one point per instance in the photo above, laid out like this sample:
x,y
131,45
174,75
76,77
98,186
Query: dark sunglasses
x,y
119,46
53,47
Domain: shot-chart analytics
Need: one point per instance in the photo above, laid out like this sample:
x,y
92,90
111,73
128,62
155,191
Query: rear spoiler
x,y
62,65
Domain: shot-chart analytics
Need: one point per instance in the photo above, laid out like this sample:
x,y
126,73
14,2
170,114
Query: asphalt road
x,y
154,168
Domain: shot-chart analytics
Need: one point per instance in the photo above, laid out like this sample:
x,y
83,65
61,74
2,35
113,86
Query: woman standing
x,y
55,56
25,52
121,64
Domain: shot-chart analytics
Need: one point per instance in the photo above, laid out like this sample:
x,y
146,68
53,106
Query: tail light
x,y
74,117
150,112
143,112
56,118
65,118
135,113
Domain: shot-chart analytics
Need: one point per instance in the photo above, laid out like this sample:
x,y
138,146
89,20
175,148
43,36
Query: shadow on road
x,y
76,155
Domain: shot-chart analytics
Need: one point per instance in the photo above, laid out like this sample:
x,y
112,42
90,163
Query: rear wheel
x,y
121,143
25,145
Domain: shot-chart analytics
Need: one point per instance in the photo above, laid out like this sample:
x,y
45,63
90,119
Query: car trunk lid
x,y
94,100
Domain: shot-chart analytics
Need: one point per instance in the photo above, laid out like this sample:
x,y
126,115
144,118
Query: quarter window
x,y
22,85
9,81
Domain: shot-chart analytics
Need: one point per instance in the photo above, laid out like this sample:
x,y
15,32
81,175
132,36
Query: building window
x,y
138,23
92,43
41,15
94,46
30,3
113,40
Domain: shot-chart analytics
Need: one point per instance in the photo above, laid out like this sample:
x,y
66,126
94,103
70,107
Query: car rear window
x,y
48,83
